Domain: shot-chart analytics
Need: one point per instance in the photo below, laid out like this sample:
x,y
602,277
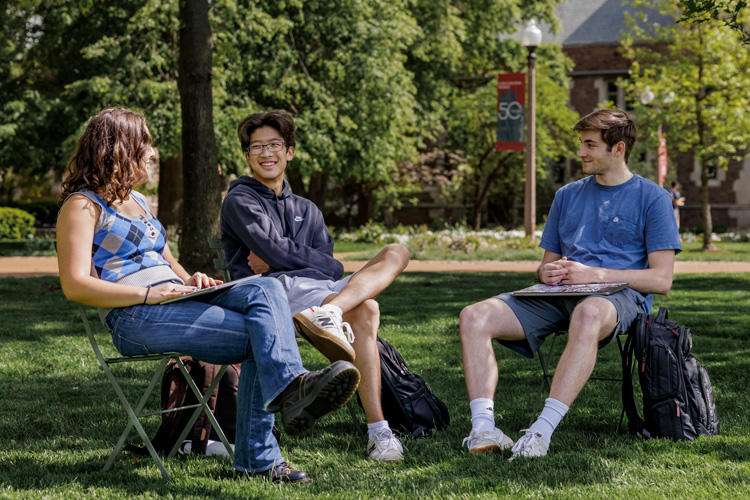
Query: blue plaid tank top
x,y
128,250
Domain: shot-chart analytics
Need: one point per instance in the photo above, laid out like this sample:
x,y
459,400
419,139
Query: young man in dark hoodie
x,y
268,230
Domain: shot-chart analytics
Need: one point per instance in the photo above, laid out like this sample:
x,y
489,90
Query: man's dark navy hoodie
x,y
286,231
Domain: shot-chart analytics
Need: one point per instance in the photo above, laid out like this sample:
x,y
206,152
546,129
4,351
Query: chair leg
x,y
354,417
545,375
133,417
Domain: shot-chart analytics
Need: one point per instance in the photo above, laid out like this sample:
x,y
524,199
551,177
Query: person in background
x,y
677,201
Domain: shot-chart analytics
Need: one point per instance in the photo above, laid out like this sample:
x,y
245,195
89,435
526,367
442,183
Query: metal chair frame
x,y
547,375
135,413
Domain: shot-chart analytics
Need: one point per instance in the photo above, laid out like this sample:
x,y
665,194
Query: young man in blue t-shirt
x,y
612,226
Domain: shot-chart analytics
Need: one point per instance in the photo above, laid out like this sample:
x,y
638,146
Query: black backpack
x,y
175,393
678,400
409,405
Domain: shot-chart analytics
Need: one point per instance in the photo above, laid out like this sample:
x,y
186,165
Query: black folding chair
x,y
547,375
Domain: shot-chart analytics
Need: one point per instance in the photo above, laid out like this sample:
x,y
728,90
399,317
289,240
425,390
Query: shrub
x,y
45,211
15,224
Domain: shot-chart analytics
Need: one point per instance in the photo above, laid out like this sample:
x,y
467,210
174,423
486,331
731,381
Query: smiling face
x,y
595,157
269,166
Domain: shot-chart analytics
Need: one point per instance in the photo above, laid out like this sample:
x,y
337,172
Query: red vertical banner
x,y
662,161
511,111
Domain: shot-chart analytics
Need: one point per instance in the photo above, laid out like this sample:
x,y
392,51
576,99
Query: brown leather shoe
x,y
280,472
311,396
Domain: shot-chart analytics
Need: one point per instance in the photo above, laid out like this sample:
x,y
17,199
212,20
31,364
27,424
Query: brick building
x,y
590,37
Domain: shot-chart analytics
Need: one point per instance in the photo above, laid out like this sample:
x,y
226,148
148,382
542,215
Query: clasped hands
x,y
568,272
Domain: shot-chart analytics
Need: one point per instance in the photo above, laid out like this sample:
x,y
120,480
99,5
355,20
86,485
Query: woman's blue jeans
x,y
249,324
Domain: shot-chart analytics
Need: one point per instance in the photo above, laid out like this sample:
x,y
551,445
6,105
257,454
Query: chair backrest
x,y
220,261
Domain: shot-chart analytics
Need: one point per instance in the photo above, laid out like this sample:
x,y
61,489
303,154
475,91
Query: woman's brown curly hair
x,y
111,155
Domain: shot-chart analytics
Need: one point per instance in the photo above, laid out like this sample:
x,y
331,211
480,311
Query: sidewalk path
x,y
47,266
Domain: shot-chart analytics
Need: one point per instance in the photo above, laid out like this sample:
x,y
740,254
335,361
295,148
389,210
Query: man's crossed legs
x,y
328,310
522,324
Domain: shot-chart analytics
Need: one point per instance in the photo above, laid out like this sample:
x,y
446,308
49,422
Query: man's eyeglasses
x,y
274,147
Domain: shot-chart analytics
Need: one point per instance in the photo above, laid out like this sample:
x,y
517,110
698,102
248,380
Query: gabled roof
x,y
594,22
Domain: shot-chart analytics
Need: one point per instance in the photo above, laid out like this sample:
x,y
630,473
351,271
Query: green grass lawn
x,y
727,251
59,417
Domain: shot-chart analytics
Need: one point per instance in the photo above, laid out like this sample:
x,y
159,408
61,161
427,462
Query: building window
x,y
716,174
611,91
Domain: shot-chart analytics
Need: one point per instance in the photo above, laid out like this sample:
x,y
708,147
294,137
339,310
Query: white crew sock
x,y
482,414
551,415
375,426
332,308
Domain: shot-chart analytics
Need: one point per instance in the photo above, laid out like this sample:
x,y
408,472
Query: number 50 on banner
x,y
511,111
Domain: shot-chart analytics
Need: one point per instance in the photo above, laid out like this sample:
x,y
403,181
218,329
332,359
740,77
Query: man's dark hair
x,y
615,126
278,120
674,184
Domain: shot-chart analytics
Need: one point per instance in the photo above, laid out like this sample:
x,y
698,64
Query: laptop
x,y
207,294
571,290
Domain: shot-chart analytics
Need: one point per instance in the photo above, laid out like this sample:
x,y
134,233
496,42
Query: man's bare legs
x,y
480,323
373,278
361,311
365,321
592,320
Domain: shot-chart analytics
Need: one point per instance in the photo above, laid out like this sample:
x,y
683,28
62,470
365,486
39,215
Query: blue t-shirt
x,y
614,227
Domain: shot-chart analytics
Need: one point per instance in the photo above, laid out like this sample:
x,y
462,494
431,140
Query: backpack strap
x,y
635,423
662,315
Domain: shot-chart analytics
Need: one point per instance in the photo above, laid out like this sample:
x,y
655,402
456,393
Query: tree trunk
x,y
318,190
170,191
201,188
708,226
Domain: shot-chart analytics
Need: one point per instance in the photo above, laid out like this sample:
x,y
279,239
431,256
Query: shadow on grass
x,y
64,417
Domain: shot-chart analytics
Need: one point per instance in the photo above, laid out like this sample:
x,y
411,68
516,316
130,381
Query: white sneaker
x,y
217,449
385,446
325,331
531,444
482,442
213,448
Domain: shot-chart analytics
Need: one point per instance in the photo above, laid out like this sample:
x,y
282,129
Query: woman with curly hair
x,y
112,254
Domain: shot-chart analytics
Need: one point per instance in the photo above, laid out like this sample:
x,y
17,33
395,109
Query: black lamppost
x,y
531,37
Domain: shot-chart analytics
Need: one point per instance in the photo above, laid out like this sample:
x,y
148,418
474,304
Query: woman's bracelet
x,y
148,289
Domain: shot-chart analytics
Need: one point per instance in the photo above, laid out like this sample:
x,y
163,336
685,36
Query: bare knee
x,y
489,319
397,254
591,321
472,323
365,316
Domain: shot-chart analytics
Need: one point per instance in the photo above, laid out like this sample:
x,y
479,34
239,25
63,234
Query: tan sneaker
x,y
325,331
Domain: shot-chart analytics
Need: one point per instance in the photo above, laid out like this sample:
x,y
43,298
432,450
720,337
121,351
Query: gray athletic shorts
x,y
308,292
541,317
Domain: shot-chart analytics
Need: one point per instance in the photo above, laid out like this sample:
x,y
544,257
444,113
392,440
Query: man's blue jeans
x,y
249,324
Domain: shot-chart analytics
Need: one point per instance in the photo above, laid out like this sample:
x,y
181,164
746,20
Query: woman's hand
x,y
202,280
160,293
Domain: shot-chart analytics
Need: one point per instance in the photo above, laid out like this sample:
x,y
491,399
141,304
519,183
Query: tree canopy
x,y
699,73
371,84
